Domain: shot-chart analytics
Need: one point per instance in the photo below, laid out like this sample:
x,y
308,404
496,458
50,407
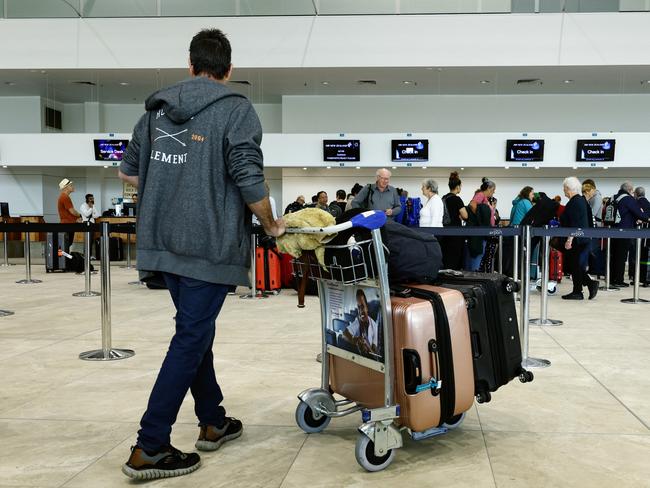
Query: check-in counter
x,y
118,220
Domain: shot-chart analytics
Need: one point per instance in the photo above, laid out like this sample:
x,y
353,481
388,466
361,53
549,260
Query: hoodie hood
x,y
516,200
187,98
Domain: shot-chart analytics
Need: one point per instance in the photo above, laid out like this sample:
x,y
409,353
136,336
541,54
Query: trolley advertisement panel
x,y
354,325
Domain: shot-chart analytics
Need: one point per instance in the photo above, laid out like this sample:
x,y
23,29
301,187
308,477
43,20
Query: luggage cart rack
x,y
349,268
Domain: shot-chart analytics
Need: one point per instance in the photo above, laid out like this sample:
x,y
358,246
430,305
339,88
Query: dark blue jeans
x,y
188,364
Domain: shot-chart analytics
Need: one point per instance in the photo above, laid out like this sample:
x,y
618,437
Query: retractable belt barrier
x,y
107,352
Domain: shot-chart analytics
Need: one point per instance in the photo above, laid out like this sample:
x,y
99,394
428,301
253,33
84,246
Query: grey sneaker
x,y
166,463
211,438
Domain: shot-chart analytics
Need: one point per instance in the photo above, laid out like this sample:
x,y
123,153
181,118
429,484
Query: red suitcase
x,y
287,280
555,266
268,270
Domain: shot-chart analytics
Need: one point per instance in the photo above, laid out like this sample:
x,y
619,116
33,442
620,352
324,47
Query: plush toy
x,y
295,244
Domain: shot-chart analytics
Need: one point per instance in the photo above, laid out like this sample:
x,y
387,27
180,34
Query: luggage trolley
x,y
362,266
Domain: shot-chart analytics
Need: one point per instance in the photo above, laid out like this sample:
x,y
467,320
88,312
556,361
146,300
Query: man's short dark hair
x,y
314,199
320,193
89,196
340,194
210,53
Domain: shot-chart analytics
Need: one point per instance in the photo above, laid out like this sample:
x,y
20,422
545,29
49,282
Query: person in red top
x,y
67,212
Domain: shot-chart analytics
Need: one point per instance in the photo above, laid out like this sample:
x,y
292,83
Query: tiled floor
x,y
583,422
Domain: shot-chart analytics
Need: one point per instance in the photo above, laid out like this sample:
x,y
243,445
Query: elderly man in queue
x,y
380,196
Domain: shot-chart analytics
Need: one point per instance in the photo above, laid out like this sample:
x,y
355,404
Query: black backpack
x,y
412,254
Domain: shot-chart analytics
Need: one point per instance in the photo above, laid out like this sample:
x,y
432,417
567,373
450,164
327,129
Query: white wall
x,y
466,113
20,114
121,117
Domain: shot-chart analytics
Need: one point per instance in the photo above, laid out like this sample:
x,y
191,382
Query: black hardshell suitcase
x,y
54,242
115,249
494,329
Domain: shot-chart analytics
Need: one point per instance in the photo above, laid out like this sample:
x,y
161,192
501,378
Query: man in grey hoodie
x,y
195,157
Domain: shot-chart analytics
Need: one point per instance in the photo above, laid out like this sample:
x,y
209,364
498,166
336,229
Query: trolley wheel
x,y
526,376
308,421
510,286
484,396
364,451
455,421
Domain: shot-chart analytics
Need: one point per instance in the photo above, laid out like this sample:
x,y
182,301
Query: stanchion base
x,y
27,282
137,283
249,296
127,267
106,354
5,313
632,300
545,322
86,294
3,265
611,288
535,363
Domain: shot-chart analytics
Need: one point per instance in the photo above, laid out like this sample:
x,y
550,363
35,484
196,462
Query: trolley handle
x,y
372,219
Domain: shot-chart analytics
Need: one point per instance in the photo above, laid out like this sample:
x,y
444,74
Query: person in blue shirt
x,y
630,213
521,205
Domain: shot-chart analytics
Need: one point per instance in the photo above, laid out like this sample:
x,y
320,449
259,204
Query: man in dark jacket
x,y
195,157
577,213
299,204
630,213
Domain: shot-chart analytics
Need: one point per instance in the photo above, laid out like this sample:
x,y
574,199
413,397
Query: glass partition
x,y
217,8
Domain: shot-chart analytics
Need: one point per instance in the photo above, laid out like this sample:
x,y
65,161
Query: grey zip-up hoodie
x,y
197,155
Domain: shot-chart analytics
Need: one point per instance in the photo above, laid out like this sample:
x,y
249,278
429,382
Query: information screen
x,y
109,149
342,150
409,150
595,150
525,150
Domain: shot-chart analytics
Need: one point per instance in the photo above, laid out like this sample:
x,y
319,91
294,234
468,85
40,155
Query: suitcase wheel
x,y
526,376
364,451
484,396
310,422
510,286
454,422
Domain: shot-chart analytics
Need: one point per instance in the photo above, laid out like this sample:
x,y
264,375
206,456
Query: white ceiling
x,y
269,85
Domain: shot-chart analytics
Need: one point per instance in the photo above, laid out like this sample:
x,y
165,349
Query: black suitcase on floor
x,y
54,242
115,249
494,330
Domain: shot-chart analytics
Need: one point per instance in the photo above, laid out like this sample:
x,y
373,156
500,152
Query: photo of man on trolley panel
x,y
355,323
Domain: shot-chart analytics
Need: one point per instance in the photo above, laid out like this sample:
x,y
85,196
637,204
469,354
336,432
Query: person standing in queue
x,y
453,246
380,196
196,160
577,213
65,207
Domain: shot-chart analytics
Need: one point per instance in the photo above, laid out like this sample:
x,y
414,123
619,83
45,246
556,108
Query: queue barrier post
x,y
500,268
87,291
544,320
637,277
515,259
128,250
5,247
107,352
28,263
606,287
526,361
5,313
253,293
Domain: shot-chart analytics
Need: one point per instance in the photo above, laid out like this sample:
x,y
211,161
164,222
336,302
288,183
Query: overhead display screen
x,y
525,150
409,150
341,150
595,150
109,149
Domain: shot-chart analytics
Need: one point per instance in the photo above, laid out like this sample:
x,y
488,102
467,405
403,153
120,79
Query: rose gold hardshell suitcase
x,y
420,355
